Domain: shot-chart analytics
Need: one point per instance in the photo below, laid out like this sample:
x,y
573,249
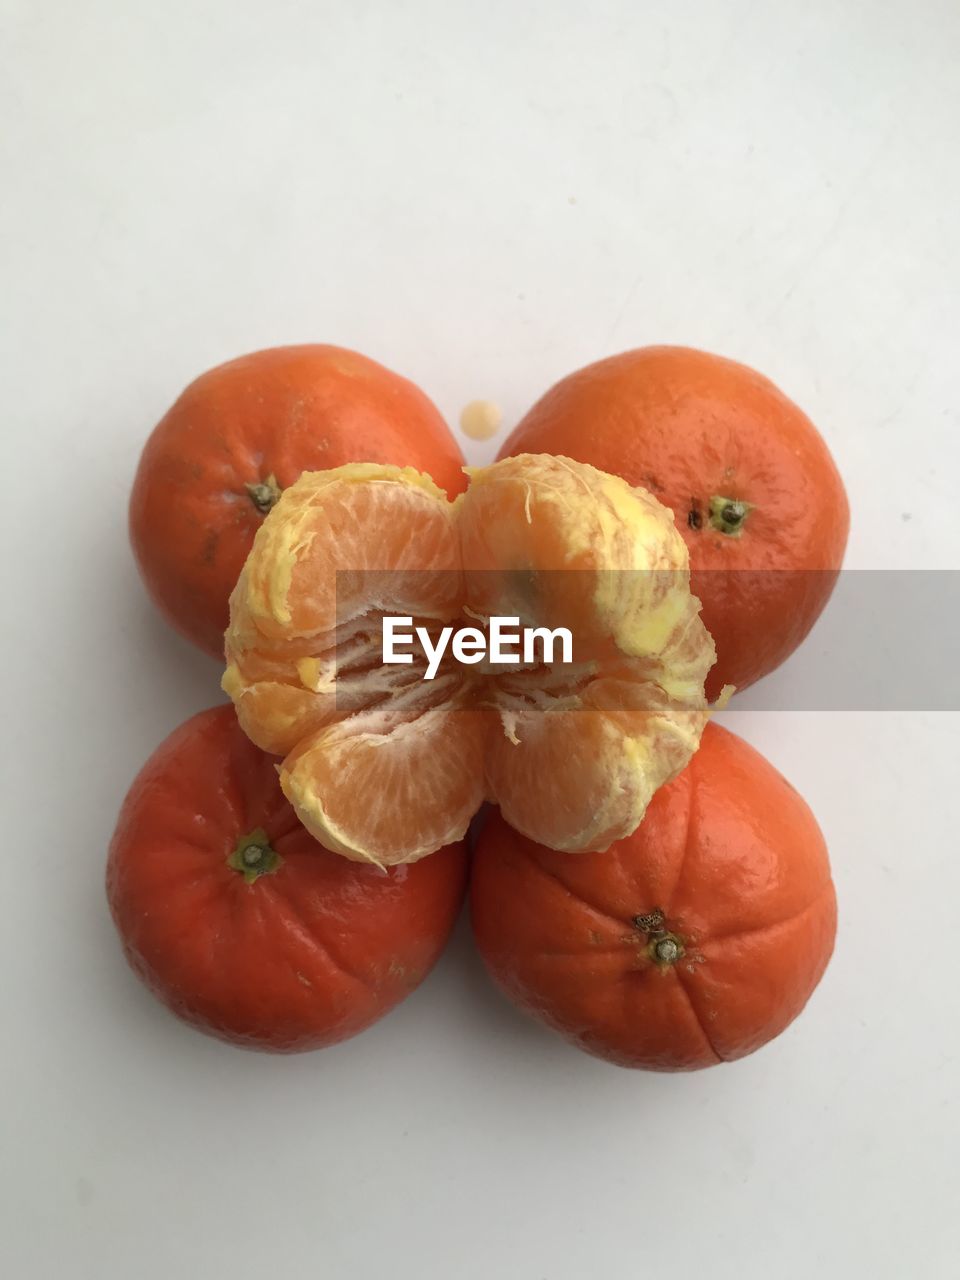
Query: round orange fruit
x,y
238,436
692,942
241,923
751,483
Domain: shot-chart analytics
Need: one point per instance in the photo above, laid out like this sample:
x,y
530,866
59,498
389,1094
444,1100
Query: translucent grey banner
x,y
887,640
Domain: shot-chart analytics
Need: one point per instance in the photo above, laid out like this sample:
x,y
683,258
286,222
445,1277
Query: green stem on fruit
x,y
254,856
729,515
264,494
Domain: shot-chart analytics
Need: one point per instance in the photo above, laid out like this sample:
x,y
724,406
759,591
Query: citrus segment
x,y
342,548
560,543
307,571
387,793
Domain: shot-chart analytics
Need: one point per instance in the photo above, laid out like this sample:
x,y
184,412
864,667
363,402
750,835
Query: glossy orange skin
x,y
277,412
301,958
690,426
732,857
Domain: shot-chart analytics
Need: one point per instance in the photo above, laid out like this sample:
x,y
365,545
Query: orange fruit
x,y
241,924
218,460
753,488
694,941
385,765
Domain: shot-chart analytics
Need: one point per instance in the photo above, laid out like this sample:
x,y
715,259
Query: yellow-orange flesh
x,y
385,766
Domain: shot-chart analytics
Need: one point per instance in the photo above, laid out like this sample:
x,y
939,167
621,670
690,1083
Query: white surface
x,y
484,197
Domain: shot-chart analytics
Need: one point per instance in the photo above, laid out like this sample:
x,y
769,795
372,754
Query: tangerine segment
x,y
340,549
578,775
283,696
308,569
388,793
563,544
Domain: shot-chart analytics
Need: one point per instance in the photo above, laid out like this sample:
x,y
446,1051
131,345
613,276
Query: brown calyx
x,y
264,494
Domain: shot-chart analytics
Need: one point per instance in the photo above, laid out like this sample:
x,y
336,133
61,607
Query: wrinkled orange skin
x,y
277,412
734,859
689,426
303,957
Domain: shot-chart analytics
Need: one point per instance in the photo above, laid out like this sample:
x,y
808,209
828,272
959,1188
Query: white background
x,y
484,197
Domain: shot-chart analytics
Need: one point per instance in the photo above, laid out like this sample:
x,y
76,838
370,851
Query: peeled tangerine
x,y
384,765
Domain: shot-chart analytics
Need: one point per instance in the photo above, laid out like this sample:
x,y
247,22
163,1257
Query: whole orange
x,y
217,462
694,941
752,486
241,923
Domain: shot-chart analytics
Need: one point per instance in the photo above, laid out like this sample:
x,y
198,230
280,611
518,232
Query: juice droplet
x,y
480,419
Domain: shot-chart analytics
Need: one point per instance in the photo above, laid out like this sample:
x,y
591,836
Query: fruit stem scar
x,y
254,856
264,493
729,515
663,947
666,950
